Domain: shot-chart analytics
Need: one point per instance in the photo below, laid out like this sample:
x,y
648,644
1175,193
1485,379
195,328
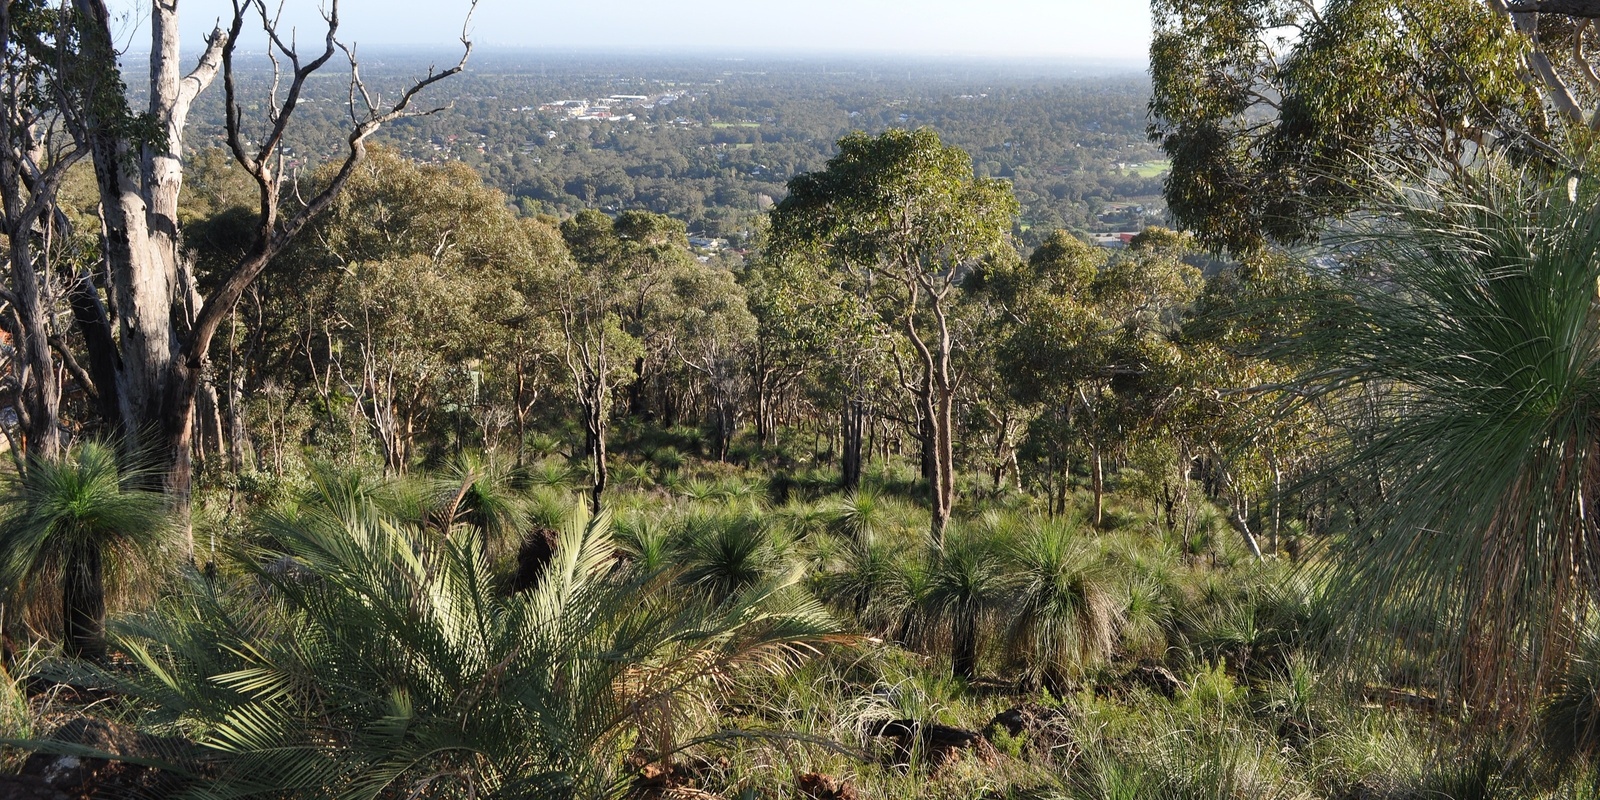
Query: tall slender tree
x,y
36,150
900,220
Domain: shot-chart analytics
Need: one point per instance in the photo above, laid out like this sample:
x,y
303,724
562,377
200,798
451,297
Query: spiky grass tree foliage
x,y
383,663
1569,722
1148,617
803,519
1463,351
726,554
961,584
553,474
1152,591
1063,608
858,516
867,579
634,476
484,492
65,518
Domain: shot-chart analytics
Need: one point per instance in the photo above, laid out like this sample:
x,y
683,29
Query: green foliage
x,y
963,581
725,555
1064,608
1269,136
1569,721
1468,369
385,661
66,519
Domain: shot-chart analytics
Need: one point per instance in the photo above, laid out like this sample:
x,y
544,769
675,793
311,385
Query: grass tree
x,y
724,555
484,492
963,582
868,578
67,516
1463,350
1064,610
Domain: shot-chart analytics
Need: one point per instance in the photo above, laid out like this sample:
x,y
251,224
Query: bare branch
x,y
77,371
271,235
205,71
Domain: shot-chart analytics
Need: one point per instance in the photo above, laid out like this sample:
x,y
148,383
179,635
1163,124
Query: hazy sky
x,y
1102,29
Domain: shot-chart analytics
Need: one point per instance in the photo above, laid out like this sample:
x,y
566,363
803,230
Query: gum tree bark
x,y
166,327
36,150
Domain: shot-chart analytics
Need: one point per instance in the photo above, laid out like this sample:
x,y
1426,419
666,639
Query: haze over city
x,y
1055,29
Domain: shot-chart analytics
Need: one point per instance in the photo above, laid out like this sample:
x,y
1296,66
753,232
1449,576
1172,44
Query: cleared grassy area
x,y
1150,169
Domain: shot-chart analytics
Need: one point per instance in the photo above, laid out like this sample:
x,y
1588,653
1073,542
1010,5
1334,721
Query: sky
x,y
1053,29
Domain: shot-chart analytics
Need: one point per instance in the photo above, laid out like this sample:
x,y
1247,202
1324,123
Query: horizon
x,y
1053,31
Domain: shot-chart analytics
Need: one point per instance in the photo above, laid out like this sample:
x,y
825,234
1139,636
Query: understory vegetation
x,y
472,631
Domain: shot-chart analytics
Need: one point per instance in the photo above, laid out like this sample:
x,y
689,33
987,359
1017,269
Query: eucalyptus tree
x,y
816,337
899,221
1256,448
607,282
412,296
789,338
715,335
1270,133
37,115
1090,344
155,366
1057,276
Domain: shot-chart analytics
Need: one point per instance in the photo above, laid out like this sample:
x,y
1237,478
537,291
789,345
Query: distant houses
x,y
610,109
1115,241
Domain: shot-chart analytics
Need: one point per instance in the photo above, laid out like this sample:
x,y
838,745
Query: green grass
x,y
1150,169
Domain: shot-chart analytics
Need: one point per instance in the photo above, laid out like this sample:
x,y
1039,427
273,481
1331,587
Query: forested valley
x,y
497,425
712,142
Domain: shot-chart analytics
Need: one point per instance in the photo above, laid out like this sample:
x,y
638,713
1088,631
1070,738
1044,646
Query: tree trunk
x,y
852,418
105,364
925,452
239,450
83,604
1099,480
944,462
637,406
40,399
763,413
595,442
139,211
964,646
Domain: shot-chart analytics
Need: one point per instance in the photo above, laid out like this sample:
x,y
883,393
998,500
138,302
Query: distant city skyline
x,y
1118,30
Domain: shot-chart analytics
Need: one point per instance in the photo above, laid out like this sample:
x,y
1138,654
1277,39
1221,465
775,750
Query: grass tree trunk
x,y
83,604
964,646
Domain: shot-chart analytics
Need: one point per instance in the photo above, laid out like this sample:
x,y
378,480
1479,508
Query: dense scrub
x,y
431,634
